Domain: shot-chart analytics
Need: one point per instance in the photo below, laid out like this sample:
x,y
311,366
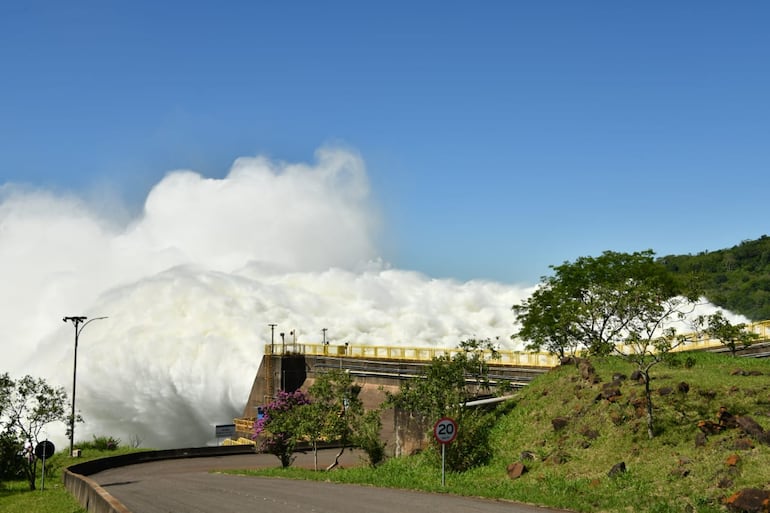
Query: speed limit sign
x,y
445,430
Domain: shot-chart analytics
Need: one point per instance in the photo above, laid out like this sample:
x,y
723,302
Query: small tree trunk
x,y
31,471
648,397
336,459
315,455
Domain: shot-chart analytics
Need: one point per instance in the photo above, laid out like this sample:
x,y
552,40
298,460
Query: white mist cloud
x,y
191,284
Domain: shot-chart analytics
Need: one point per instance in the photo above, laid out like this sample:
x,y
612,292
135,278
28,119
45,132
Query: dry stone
x,y
515,470
749,500
749,426
559,423
617,468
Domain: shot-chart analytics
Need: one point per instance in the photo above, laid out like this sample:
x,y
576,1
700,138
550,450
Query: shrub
x,y
367,437
278,428
11,457
101,443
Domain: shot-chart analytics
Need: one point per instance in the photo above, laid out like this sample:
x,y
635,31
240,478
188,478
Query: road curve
x,y
189,486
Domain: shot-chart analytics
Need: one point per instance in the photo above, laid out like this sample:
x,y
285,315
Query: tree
x,y
26,407
331,411
330,416
617,303
730,335
279,428
338,415
547,322
596,302
366,436
444,389
12,458
648,349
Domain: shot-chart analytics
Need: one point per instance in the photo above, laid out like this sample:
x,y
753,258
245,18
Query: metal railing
x,y
419,354
695,341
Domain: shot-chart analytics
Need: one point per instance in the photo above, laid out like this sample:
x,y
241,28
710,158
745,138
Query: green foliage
x,y
448,382
547,320
335,409
27,405
16,497
330,412
731,335
737,278
443,389
596,303
472,446
366,436
337,415
655,466
280,428
12,461
101,443
601,303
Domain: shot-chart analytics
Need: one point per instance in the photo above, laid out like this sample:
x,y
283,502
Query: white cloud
x,y
191,284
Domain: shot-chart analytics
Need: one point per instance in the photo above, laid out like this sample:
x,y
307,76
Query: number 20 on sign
x,y
445,431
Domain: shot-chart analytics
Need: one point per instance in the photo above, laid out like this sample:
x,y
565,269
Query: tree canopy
x,y
731,335
330,411
596,303
616,303
736,278
27,405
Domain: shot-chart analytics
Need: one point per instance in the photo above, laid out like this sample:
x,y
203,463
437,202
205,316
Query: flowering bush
x,y
278,429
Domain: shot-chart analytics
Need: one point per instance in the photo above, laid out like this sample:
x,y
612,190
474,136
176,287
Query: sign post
x,y
444,431
44,450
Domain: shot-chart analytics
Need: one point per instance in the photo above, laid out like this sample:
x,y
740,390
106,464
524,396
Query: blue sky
x,y
500,137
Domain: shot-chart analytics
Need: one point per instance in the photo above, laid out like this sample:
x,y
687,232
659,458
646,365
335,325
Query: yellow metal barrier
x,y
506,357
240,441
244,425
421,354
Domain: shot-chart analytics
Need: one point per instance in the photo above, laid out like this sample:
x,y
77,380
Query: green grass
x,y
16,497
665,474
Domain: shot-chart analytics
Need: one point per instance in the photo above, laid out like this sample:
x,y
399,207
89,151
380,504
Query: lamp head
x,y
75,319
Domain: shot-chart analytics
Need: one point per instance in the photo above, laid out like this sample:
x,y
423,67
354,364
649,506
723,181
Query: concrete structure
x,y
292,369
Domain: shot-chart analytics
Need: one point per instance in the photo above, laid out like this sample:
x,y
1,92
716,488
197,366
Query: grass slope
x,y
667,473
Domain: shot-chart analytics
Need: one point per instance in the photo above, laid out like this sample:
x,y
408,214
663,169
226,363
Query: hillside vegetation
x,y
575,436
737,279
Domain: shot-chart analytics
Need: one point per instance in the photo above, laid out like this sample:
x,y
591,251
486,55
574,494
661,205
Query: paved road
x,y
188,486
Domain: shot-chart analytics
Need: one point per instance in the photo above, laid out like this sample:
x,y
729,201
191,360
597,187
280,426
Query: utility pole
x,y
80,323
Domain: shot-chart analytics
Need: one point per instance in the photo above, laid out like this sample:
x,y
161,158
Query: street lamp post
x,y
272,338
79,322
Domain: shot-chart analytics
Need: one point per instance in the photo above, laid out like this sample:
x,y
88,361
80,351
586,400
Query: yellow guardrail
x,y
239,441
506,357
421,354
695,341
244,424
